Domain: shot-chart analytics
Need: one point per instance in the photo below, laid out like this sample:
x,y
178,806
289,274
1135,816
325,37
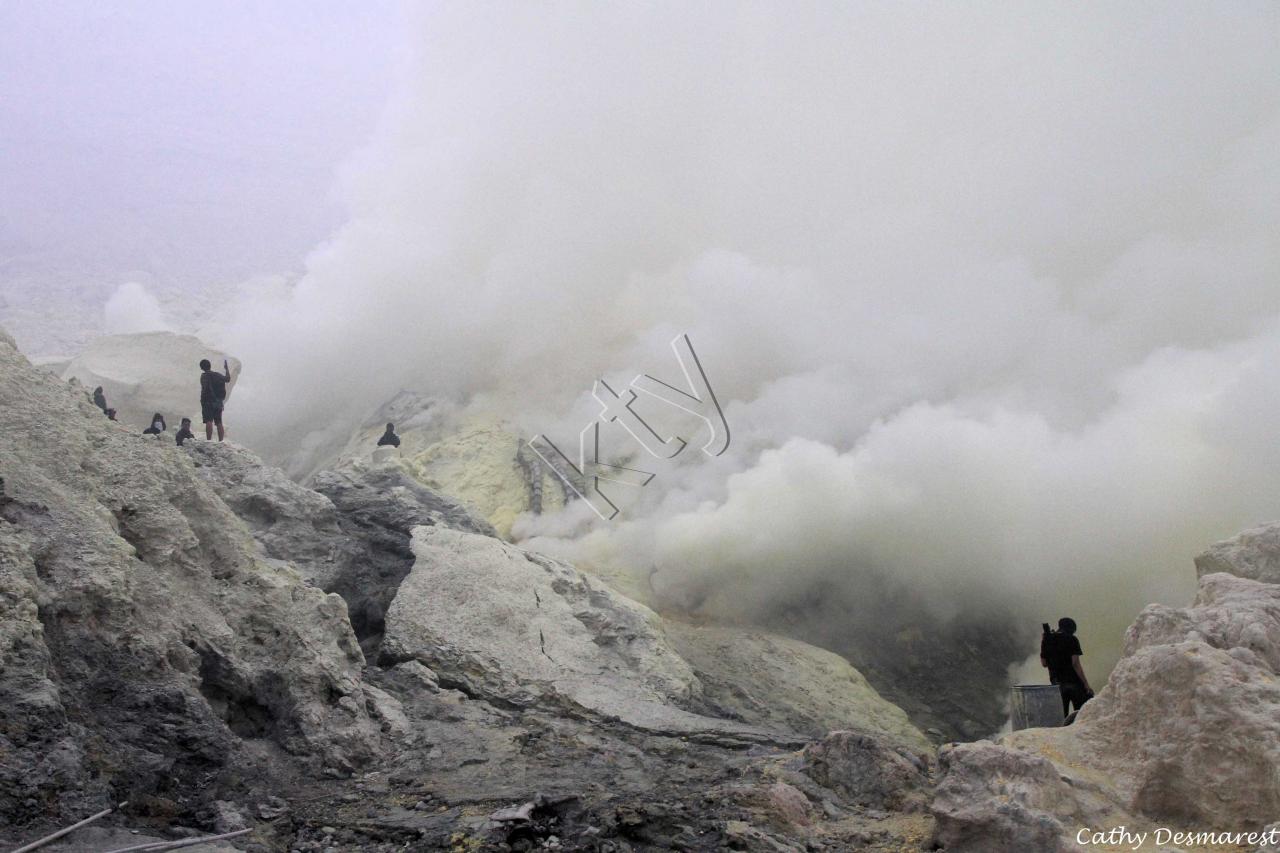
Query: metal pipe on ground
x,y
40,842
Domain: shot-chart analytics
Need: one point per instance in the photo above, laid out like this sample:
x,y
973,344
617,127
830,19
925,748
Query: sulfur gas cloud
x,y
991,294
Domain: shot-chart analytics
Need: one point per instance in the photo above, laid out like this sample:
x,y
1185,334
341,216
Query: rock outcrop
x,y
146,373
1255,553
518,627
994,798
1188,728
145,642
378,507
1185,734
348,536
289,521
869,771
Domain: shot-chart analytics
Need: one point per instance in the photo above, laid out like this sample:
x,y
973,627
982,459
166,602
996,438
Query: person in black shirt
x,y
213,394
184,431
157,425
100,399
1060,652
389,437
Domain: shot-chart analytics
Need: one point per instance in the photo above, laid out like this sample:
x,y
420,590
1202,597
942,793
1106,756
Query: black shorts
x,y
1073,693
211,413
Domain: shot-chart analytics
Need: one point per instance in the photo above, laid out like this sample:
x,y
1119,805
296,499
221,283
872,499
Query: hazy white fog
x,y
182,146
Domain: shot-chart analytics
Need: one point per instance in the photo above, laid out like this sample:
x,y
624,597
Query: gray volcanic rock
x,y
144,640
289,521
378,507
1255,553
385,495
350,538
159,643
520,628
868,771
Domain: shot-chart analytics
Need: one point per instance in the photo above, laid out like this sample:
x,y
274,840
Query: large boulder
x,y
996,799
145,641
518,627
148,372
868,770
1255,553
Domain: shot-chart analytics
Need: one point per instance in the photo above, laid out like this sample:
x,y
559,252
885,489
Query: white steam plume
x,y
991,294
131,309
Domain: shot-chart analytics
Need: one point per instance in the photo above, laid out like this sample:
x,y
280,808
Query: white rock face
x,y
1255,553
1189,725
1186,734
149,372
520,627
144,640
1234,614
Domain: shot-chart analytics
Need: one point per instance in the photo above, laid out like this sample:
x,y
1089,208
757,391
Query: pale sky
x,y
178,144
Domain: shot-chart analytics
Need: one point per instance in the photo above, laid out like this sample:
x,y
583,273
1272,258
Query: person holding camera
x,y
1060,654
213,396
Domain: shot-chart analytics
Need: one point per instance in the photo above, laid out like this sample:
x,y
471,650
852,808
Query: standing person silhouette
x,y
213,395
1060,654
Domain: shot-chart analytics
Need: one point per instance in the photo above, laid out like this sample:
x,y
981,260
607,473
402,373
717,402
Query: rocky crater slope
x,y
147,644
363,665
175,632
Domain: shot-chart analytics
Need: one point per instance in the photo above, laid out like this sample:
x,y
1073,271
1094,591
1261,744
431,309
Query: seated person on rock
x,y
1060,653
184,431
389,437
157,425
